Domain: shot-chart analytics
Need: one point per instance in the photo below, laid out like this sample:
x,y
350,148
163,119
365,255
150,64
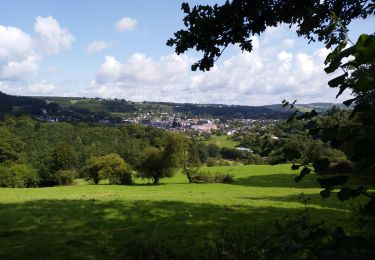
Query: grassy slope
x,y
89,221
222,141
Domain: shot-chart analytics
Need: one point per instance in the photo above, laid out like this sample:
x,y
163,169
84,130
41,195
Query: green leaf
x,y
305,171
365,48
334,83
291,153
298,179
321,165
292,117
325,193
332,181
296,166
349,101
345,194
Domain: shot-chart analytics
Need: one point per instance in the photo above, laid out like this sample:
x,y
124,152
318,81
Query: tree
x,y
213,150
63,157
211,29
10,146
18,176
161,163
110,166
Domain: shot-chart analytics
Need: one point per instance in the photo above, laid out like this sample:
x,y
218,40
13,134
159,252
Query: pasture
x,y
221,141
110,222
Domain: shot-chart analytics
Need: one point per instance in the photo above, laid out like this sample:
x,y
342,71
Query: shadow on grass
x,y
277,180
88,229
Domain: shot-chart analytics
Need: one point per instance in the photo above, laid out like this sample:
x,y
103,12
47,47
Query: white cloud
x,y
18,57
97,46
14,70
288,43
37,89
20,53
53,38
42,88
126,24
256,78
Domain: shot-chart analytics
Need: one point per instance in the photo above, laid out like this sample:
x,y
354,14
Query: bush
x,y
122,178
211,162
110,166
208,177
18,176
64,177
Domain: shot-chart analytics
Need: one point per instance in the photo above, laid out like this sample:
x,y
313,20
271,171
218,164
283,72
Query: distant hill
x,y
232,111
113,110
320,107
19,105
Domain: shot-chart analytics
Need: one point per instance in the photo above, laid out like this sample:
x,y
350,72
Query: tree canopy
x,y
211,29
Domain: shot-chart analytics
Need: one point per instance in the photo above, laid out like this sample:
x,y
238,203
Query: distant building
x,y
244,149
206,128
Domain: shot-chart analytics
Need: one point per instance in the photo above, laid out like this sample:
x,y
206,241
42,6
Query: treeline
x,y
213,155
56,153
273,141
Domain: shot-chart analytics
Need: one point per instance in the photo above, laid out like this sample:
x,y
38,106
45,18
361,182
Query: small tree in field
x,y
162,163
110,166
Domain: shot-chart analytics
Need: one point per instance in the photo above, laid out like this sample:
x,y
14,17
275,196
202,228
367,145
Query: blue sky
x,y
81,48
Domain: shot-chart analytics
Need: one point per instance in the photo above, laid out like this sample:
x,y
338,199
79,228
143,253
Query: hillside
x,y
114,110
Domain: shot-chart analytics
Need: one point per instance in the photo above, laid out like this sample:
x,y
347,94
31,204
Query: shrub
x,y
64,177
208,177
122,178
110,166
18,176
211,162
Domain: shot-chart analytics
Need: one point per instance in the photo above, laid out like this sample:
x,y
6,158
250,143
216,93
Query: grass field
x,y
221,141
103,221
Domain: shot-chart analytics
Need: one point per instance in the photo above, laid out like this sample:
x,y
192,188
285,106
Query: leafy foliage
x,y
63,157
198,176
110,166
64,177
211,29
18,176
10,145
161,163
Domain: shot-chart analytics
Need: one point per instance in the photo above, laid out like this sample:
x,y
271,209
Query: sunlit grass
x,y
222,141
97,221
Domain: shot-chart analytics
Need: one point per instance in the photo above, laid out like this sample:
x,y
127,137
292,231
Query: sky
x,y
116,49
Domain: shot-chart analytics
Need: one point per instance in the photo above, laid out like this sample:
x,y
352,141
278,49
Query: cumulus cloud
x,y
256,78
20,53
18,57
126,24
53,37
97,46
20,88
43,88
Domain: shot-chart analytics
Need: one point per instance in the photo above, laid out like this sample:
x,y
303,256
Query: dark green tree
x,y
63,157
10,146
110,166
161,163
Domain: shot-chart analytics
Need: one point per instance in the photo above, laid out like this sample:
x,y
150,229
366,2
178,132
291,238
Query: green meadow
x,y
113,222
222,141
